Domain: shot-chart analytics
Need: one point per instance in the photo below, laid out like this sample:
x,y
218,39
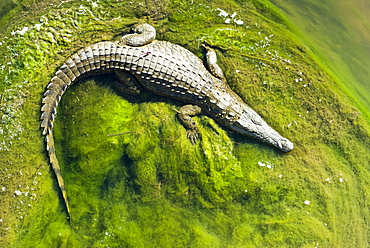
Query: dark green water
x,y
340,33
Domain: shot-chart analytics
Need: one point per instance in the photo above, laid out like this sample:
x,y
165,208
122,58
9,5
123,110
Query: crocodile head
x,y
229,109
251,124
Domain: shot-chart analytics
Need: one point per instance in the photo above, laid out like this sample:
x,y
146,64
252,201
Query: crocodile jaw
x,y
229,109
251,124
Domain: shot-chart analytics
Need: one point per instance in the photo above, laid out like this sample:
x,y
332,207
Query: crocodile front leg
x,y
211,63
187,111
191,129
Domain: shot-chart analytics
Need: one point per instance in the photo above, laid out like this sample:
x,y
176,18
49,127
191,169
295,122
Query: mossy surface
x,y
152,188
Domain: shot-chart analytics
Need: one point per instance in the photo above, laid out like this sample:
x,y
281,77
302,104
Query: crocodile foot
x,y
192,135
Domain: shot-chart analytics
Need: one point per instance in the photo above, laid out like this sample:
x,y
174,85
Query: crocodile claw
x,y
192,135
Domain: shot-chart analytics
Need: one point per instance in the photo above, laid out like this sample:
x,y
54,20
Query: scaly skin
x,y
163,68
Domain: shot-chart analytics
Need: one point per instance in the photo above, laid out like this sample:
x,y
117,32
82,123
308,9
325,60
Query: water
x,y
339,31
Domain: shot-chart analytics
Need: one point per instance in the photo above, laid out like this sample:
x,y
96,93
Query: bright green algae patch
x,y
151,187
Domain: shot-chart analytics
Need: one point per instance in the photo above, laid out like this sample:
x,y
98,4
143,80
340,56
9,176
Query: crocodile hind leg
x,y
191,129
127,83
211,63
144,34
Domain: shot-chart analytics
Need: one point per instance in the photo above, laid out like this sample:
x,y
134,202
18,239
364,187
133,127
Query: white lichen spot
x,y
239,22
222,13
306,202
38,26
17,192
3,189
328,179
268,165
23,31
94,4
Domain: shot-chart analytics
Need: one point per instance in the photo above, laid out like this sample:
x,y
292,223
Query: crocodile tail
x,y
92,58
55,165
52,96
64,77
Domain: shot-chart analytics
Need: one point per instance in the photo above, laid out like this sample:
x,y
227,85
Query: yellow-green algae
x,y
151,188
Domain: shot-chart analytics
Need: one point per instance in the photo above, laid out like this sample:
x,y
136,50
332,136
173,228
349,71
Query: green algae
x,y
150,187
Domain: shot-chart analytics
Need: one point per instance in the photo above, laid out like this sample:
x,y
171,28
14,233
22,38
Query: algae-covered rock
x,y
149,187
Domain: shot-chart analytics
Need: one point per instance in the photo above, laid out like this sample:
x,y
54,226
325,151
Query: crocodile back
x,y
171,70
161,67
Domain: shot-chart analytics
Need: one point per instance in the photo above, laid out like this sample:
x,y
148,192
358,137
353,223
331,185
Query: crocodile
x,y
142,62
